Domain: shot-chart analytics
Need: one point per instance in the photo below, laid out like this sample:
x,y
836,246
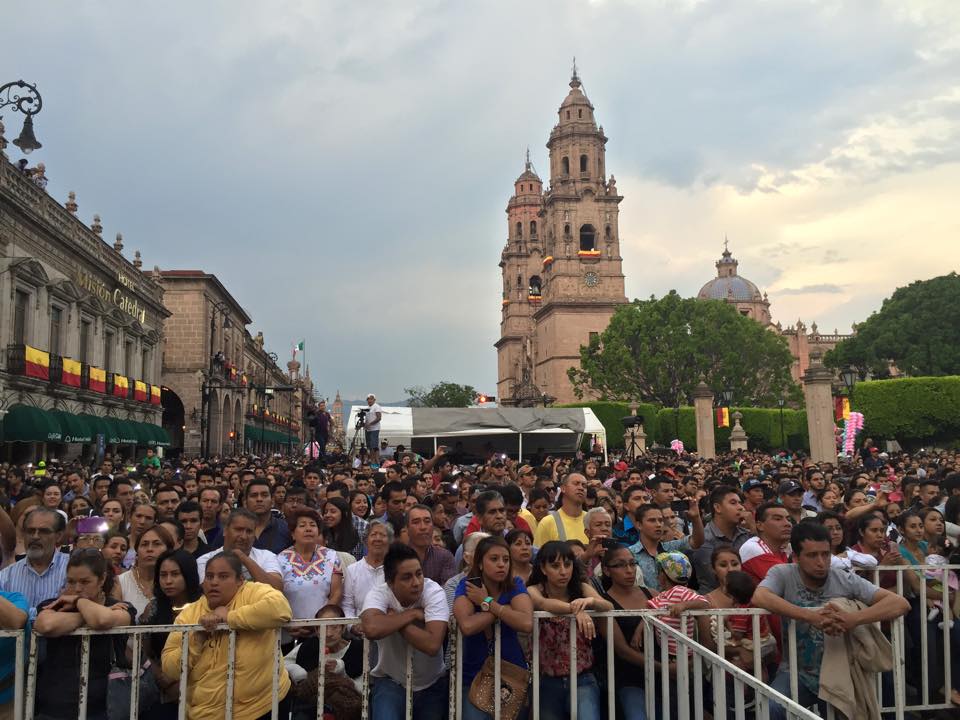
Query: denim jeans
x,y
372,438
633,703
555,697
781,683
388,700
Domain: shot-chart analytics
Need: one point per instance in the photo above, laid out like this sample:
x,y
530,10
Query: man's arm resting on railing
x,y
885,605
11,617
768,600
377,624
427,639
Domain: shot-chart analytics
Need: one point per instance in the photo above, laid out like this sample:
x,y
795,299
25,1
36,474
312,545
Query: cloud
x,y
344,167
812,290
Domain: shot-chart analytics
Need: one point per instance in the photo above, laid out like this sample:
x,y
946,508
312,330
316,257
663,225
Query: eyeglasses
x,y
625,563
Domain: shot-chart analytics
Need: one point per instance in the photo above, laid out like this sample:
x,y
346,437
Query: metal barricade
x,y
19,637
27,690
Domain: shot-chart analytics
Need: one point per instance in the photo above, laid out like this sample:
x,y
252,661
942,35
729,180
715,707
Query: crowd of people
x,y
410,545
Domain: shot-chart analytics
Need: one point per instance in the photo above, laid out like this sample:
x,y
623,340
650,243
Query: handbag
x,y
512,693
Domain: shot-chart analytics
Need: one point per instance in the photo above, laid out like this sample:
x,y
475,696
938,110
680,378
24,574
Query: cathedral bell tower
x,y
562,266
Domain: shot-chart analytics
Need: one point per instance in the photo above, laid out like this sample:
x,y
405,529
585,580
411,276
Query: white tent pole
x,y
434,446
520,449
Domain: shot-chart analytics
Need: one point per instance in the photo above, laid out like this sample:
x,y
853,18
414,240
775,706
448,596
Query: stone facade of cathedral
x,y
735,289
561,265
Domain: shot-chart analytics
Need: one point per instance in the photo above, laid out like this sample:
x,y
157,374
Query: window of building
x,y
519,230
84,341
745,313
535,288
129,357
608,233
108,342
145,374
533,228
580,114
568,114
21,303
583,163
566,229
588,237
56,329
565,166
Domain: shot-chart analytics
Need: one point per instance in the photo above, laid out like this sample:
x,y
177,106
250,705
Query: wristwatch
x,y
485,605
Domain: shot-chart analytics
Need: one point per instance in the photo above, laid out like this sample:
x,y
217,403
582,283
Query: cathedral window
x,y
607,233
568,114
583,163
535,288
588,237
565,166
566,229
533,228
519,231
580,114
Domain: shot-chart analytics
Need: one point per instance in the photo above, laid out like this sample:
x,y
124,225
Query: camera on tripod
x,y
632,421
361,418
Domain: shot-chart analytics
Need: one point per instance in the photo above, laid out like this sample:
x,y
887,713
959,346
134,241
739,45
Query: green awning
x,y
160,435
97,426
24,423
142,434
128,434
113,432
75,428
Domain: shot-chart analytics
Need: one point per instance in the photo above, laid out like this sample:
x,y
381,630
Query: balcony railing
x,y
17,359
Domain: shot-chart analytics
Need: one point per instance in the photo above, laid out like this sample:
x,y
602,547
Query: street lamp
x,y
25,98
849,377
214,358
727,395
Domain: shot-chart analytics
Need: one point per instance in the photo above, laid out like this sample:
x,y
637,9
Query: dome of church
x,y
728,284
722,288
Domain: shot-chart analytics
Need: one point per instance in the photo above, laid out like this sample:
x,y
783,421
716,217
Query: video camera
x,y
361,418
632,421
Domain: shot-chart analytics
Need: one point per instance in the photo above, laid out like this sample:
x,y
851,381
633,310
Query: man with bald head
x,y
567,522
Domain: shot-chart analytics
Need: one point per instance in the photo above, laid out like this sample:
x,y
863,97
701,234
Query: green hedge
x,y
910,410
762,426
610,414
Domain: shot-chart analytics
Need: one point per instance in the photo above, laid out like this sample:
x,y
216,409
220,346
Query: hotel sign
x,y
115,296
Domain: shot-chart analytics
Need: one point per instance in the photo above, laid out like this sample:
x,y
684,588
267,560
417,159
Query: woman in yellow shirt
x,y
255,610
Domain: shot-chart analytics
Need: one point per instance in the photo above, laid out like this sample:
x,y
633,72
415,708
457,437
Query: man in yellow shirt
x,y
573,494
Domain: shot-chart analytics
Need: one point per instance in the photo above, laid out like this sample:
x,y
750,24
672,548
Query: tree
x,y
442,394
917,329
656,350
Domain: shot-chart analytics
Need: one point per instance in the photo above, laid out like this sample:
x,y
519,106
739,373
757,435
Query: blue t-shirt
x,y
477,647
8,646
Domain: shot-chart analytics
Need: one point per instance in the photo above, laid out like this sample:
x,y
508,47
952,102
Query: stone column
x,y
703,411
738,436
818,395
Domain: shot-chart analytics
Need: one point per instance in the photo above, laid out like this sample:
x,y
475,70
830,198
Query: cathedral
x,y
561,266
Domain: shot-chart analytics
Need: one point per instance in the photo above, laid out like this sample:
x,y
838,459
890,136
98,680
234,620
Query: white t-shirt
x,y
358,579
131,592
374,409
392,650
264,558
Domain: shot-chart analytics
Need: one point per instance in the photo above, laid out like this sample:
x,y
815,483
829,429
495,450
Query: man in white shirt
x,y
371,428
407,612
238,535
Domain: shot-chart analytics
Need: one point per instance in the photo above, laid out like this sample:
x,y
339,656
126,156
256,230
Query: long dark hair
x,y
551,552
354,494
164,614
342,537
485,546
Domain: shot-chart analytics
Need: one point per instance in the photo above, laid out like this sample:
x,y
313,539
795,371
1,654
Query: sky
x,y
344,167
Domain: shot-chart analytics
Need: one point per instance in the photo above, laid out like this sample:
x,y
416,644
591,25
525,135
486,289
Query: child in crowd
x,y
740,587
675,571
936,556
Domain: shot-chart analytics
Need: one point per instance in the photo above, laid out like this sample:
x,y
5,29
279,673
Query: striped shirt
x,y
35,587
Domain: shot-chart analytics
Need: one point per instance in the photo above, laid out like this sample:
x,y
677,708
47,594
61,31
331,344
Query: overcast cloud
x,y
343,167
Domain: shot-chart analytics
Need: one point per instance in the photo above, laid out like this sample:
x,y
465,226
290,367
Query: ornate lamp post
x,y
849,377
727,395
24,98
216,358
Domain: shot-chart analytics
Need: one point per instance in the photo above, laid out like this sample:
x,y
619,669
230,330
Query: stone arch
x,y
588,237
226,415
214,410
238,422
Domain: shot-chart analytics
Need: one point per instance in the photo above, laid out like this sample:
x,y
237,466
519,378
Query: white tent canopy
x,y
517,432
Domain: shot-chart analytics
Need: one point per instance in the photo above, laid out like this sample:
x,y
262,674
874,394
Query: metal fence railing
x,y
704,676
